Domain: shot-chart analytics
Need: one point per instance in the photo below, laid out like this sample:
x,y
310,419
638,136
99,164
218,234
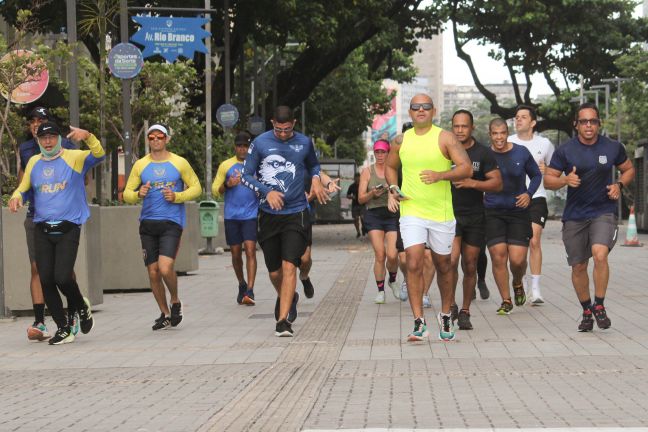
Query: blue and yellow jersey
x,y
57,184
174,173
241,203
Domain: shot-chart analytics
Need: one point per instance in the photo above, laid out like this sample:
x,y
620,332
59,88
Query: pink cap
x,y
381,145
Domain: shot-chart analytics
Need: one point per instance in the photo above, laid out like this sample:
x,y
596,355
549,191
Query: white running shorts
x,y
438,236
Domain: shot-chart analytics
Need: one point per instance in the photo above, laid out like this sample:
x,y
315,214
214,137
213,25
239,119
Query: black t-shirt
x,y
353,190
471,201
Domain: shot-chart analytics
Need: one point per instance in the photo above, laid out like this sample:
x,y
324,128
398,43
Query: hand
x,y
393,202
234,179
333,186
318,190
15,204
614,191
542,166
572,179
523,200
169,195
77,134
275,200
429,176
143,190
464,184
378,191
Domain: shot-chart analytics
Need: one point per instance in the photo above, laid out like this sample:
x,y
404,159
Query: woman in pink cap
x,y
381,224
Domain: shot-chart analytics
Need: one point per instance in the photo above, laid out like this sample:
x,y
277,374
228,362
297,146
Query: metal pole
x,y
227,53
72,66
3,311
209,248
126,94
581,94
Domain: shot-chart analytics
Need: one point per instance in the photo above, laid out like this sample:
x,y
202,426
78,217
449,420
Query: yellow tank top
x,y
426,201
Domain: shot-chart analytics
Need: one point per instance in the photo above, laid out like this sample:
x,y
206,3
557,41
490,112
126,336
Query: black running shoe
x,y
454,312
161,323
464,320
483,289
292,315
62,336
242,288
602,320
176,314
309,291
277,304
85,316
587,323
283,329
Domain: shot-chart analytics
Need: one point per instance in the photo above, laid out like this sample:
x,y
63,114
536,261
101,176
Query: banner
x,y
170,37
33,77
384,126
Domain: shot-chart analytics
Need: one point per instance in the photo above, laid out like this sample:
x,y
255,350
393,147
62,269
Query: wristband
x,y
391,187
620,185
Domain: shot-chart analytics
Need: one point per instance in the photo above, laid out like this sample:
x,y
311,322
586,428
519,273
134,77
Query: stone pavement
x,y
348,366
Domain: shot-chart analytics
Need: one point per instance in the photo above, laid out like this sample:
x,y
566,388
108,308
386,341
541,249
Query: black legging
x,y
55,257
482,263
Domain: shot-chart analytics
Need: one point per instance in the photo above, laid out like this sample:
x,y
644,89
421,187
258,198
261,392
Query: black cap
x,y
40,113
48,128
242,138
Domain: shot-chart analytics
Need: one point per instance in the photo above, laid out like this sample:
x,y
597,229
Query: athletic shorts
x,y
356,211
438,236
399,242
283,237
538,211
579,236
506,226
381,219
238,231
29,234
159,237
471,229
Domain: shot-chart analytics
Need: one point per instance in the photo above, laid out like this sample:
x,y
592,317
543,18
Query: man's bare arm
x,y
393,161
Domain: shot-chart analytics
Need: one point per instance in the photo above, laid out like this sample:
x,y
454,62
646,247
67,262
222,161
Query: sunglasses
x,y
156,137
417,106
593,122
284,130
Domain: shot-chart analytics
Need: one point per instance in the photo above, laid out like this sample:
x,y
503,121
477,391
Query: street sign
x,y
125,61
171,37
256,125
34,77
227,115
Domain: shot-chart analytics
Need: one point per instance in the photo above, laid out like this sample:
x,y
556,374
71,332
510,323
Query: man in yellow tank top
x,y
431,158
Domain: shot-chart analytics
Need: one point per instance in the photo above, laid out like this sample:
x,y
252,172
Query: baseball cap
x,y
242,138
39,112
48,128
381,145
158,127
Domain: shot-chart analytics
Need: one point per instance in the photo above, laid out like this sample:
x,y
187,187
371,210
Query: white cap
x,y
158,127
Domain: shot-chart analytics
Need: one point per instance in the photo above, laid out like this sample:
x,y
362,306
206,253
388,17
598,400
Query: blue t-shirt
x,y
241,203
515,165
594,165
27,150
280,166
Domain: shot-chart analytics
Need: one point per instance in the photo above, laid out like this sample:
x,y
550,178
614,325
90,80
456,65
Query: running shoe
x,y
283,329
464,320
85,316
241,292
536,298
309,290
37,331
162,322
454,312
483,289
446,327
394,288
602,320
292,314
520,295
505,308
176,314
426,301
380,298
420,331
587,323
62,336
403,291
73,321
248,298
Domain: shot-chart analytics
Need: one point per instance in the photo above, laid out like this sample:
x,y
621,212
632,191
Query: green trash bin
x,y
208,211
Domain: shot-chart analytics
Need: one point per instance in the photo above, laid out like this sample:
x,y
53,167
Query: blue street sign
x,y
170,37
227,115
125,60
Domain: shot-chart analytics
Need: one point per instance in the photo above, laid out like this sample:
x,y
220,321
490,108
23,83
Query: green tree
x,y
634,65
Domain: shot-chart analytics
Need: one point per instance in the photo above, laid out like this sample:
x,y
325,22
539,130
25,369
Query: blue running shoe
x,y
73,320
420,331
241,293
248,298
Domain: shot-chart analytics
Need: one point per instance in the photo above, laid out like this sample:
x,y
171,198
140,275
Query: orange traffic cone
x,y
631,232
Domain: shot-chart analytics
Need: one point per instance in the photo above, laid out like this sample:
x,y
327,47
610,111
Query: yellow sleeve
x,y
25,183
76,158
193,189
221,174
134,181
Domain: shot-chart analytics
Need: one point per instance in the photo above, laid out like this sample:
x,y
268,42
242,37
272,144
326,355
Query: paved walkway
x,y
348,367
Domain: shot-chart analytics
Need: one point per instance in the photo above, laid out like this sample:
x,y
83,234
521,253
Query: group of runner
x,y
435,198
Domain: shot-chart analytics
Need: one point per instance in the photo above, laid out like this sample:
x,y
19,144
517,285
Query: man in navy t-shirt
x,y
590,219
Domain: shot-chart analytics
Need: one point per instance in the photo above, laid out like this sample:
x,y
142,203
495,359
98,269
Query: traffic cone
x,y
631,232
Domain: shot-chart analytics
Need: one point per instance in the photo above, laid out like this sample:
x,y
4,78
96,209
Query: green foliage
x,y
351,148
635,65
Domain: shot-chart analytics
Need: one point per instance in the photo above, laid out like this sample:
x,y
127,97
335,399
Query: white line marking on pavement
x,y
574,429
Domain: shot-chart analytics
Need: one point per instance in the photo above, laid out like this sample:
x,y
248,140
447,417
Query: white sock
x,y
535,282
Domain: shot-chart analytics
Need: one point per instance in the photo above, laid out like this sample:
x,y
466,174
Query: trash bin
x,y
208,211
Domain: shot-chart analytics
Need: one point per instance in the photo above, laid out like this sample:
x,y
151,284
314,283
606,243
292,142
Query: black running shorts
x,y
283,237
508,226
539,211
471,229
159,237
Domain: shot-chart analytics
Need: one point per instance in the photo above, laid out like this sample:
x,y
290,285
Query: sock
x,y
392,276
587,304
598,301
381,285
535,282
39,313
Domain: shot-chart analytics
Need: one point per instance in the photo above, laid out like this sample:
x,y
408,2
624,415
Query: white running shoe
x,y
536,298
426,301
380,298
395,288
403,291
